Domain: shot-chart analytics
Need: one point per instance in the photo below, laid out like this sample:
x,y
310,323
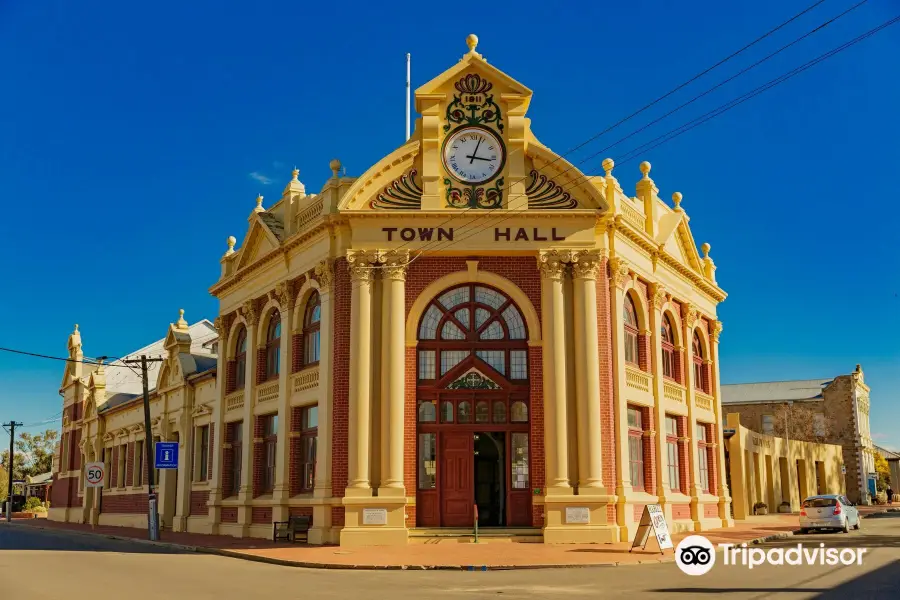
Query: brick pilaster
x,y
644,352
683,459
228,459
649,450
712,455
679,367
260,365
297,358
295,450
258,457
114,468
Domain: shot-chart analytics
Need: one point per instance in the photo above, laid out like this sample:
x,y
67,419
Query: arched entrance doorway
x,y
473,411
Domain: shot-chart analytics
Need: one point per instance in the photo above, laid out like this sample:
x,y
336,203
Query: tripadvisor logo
x,y
696,555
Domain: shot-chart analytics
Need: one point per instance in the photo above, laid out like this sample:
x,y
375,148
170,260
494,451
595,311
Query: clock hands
x,y
474,158
474,152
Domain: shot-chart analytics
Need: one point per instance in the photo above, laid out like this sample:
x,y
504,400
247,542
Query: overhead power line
x,y
71,360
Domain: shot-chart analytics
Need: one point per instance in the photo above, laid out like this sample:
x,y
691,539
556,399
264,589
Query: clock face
x,y
473,155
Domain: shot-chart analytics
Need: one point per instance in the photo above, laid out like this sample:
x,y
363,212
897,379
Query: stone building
x,y
436,336
840,412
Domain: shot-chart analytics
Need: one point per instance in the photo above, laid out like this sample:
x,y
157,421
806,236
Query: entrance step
x,y
492,535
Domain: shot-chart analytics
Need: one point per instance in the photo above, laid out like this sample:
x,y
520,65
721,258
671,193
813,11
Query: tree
x,y
883,471
803,423
37,451
19,466
4,483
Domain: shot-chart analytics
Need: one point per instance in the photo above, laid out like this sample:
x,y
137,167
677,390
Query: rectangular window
x,y
311,347
674,461
703,455
139,463
240,374
768,424
631,347
270,444
668,363
635,449
519,461
237,438
308,445
699,379
518,365
426,364
123,460
427,461
201,453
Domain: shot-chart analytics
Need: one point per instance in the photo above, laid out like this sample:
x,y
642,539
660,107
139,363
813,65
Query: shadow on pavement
x,y
880,583
34,539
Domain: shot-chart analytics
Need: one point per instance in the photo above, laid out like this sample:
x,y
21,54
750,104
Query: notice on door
x,y
374,516
578,514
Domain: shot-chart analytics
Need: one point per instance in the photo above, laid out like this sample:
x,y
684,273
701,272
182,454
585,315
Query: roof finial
x,y
259,207
181,324
231,242
76,328
335,166
676,198
472,42
608,165
645,169
706,248
295,174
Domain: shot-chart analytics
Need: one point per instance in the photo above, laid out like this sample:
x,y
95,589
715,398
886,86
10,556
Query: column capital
x,y
552,263
284,293
619,272
586,263
716,331
658,295
396,263
251,315
690,315
221,326
360,263
325,275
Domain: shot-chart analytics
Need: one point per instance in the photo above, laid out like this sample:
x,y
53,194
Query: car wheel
x,y
858,524
804,530
846,528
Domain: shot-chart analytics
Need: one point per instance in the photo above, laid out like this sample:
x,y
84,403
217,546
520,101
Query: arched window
x,y
240,359
668,348
273,346
311,321
699,368
631,331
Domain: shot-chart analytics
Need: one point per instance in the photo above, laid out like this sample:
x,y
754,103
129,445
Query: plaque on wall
x,y
578,514
374,516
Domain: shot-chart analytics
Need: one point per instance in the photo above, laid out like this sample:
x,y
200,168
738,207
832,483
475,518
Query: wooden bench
x,y
291,529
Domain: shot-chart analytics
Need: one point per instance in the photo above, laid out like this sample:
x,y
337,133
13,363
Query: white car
x,y
828,511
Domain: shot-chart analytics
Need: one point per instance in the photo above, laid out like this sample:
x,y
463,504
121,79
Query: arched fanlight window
x,y
631,331
311,321
273,346
667,333
240,359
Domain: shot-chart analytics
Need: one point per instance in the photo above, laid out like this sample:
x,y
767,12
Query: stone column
x,y
657,299
218,417
553,324
688,319
245,493
360,265
281,491
619,274
585,268
393,371
325,277
723,492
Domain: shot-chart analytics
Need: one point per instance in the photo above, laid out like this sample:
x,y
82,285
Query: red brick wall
x,y
260,365
712,456
210,450
301,511
261,515
684,462
341,384
295,451
538,465
129,465
679,369
230,376
297,352
258,456
681,511
114,468
638,511
644,352
229,514
77,454
64,493
649,451
711,510
198,503
337,516
607,420
125,504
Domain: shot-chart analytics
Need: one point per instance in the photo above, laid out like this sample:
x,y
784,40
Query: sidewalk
x,y
493,555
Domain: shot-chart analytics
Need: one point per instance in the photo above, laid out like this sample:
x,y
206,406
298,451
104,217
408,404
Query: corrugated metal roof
x,y
774,391
128,381
888,454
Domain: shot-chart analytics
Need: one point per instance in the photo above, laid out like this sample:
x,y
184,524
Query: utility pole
x,y
12,461
152,512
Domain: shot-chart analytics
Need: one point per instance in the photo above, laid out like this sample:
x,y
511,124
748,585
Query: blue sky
x,y
129,133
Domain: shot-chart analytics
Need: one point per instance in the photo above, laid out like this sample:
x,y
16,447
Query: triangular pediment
x,y
473,379
259,241
675,237
471,63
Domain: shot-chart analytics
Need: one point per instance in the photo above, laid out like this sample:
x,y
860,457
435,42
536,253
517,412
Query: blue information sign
x,y
166,455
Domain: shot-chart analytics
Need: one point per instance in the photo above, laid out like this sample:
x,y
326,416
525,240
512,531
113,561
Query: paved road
x,y
38,564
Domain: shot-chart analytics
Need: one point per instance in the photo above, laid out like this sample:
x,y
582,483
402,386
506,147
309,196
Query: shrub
x,y
32,502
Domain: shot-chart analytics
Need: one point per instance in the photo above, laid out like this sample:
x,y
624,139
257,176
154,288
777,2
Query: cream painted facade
x,y
774,470
377,338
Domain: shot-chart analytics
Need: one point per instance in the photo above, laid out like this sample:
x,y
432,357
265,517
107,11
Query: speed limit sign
x,y
94,474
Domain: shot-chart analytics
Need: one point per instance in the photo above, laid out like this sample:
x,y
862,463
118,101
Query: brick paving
x,y
447,553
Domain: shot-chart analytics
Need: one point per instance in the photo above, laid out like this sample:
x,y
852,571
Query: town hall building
x,y
472,329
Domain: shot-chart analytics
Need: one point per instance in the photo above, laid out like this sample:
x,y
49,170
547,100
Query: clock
x,y
473,155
